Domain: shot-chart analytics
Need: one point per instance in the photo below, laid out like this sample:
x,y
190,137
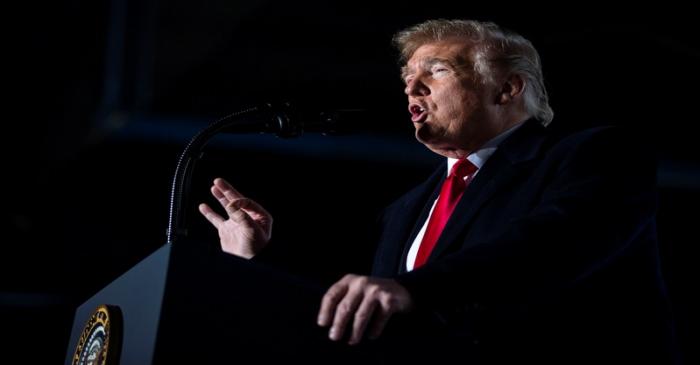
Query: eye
x,y
439,70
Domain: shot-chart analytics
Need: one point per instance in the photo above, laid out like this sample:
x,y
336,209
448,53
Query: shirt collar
x,y
479,157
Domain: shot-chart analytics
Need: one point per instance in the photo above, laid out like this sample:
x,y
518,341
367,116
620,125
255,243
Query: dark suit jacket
x,y
550,256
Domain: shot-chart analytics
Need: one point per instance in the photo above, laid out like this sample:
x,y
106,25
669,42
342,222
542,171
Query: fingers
x,y
239,209
380,320
330,300
343,302
219,195
227,188
208,213
362,318
224,192
230,199
255,210
229,202
343,313
368,302
235,213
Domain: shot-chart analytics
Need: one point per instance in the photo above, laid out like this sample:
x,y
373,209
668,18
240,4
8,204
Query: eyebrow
x,y
427,64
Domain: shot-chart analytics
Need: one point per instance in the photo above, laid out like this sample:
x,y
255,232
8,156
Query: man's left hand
x,y
364,301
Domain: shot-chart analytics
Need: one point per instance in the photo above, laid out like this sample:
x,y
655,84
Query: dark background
x,y
102,96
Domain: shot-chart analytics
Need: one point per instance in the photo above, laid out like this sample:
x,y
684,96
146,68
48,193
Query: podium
x,y
191,303
188,302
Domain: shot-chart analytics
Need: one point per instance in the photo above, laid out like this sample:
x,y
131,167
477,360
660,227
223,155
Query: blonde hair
x,y
494,47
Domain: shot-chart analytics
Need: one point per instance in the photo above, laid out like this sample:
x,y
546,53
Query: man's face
x,y
451,109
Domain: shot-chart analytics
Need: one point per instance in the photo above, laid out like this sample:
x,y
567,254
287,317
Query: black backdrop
x,y
102,96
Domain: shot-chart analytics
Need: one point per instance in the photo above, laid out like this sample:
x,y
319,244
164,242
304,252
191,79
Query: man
x,y
525,243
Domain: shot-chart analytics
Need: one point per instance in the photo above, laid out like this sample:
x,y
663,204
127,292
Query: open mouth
x,y
418,113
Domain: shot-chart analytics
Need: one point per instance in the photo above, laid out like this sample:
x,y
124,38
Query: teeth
x,y
418,109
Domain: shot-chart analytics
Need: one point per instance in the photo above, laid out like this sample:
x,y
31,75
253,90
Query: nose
x,y
416,87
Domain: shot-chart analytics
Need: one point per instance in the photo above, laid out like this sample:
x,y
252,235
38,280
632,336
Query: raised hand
x,y
248,227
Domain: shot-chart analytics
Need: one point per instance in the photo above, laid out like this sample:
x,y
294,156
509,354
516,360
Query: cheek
x,y
452,111
456,105
448,100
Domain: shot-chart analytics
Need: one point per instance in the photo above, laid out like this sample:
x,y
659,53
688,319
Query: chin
x,y
436,147
440,148
424,135
428,137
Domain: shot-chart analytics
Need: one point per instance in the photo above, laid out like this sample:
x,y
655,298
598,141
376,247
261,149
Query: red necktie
x,y
450,193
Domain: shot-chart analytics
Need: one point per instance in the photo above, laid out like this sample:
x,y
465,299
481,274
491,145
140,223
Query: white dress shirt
x,y
478,158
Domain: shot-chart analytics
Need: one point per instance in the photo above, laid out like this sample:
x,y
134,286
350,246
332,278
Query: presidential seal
x,y
100,341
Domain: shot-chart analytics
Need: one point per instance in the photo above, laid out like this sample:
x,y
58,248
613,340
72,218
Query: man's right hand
x,y
247,229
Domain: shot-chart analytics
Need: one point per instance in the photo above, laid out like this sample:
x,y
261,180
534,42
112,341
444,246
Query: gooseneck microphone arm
x,y
260,119
281,120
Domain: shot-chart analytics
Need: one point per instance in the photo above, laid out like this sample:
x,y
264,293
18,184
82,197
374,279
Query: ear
x,y
513,87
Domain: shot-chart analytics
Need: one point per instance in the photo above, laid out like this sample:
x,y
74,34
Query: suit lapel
x,y
506,163
400,224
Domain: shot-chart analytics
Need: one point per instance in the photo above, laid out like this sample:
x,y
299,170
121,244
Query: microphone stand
x,y
260,119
